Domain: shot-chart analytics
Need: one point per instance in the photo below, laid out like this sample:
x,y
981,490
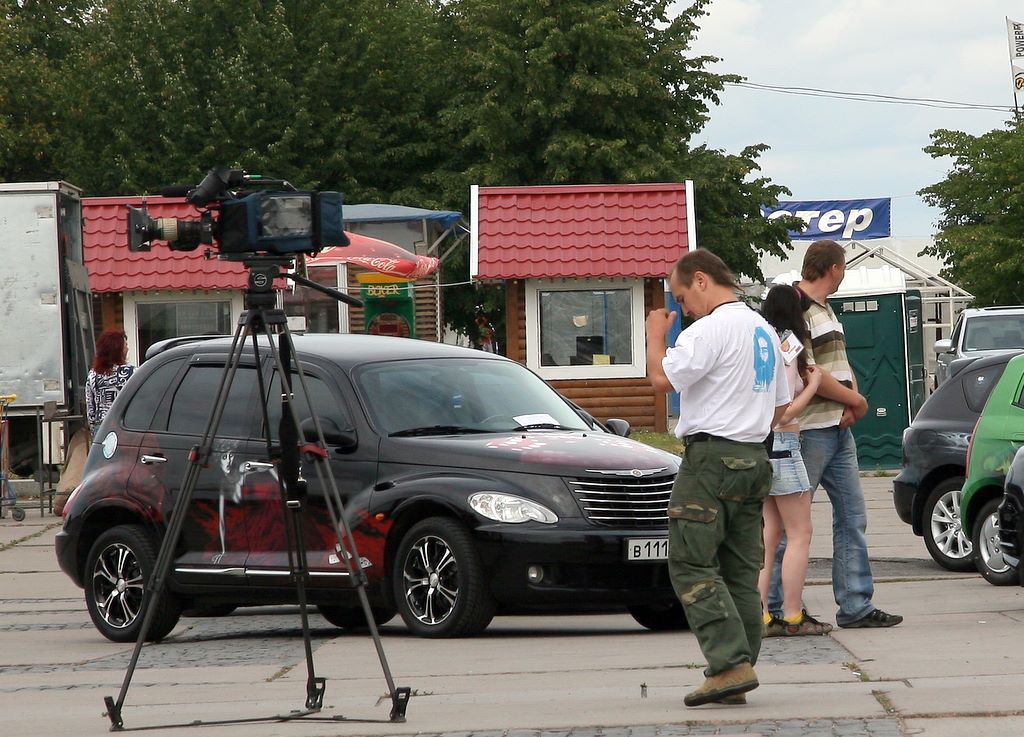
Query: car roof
x,y
1012,309
346,350
976,362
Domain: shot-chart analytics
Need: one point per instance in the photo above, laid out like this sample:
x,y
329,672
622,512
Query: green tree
x,y
981,231
37,39
330,94
594,91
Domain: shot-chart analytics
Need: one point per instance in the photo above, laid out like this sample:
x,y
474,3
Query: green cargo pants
x,y
716,548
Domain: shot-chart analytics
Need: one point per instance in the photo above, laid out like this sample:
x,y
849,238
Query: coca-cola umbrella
x,y
377,255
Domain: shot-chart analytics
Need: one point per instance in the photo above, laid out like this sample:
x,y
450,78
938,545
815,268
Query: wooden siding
x,y
633,400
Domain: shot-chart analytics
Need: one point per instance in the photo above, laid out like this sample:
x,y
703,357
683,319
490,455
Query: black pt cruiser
x,y
471,487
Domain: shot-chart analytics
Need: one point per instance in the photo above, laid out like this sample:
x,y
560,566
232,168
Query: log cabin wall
x,y
633,400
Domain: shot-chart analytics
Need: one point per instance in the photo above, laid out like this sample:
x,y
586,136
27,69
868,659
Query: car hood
x,y
544,452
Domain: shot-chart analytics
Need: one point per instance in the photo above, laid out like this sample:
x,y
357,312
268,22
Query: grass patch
x,y
663,440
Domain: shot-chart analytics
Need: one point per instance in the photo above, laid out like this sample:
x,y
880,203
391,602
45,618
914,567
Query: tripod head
x,y
263,270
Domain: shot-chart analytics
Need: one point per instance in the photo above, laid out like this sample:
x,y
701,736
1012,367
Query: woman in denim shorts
x,y
788,509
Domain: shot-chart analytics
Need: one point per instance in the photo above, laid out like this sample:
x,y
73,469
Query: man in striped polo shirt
x,y
826,441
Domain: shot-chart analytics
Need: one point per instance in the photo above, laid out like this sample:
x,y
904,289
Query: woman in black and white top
x,y
108,375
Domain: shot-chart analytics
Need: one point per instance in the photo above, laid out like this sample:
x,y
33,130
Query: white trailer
x,y
45,309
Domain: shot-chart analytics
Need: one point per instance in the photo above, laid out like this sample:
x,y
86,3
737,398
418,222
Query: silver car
x,y
980,331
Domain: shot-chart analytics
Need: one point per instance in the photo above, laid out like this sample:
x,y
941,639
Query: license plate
x,y
647,548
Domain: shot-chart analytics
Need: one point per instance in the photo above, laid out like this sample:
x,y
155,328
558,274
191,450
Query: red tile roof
x,y
113,268
633,230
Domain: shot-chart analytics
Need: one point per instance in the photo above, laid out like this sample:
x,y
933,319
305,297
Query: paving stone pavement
x,y
891,683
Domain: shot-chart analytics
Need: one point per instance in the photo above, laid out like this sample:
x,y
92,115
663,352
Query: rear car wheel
x,y
353,618
439,581
988,556
947,542
118,571
660,617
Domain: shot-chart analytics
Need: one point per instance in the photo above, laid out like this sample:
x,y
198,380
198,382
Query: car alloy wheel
x,y
438,581
118,570
988,556
948,543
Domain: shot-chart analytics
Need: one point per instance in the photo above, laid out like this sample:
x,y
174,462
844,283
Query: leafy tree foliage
x,y
329,94
981,232
36,40
596,91
403,101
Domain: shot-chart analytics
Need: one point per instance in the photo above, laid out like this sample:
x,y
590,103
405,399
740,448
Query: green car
x,y
997,436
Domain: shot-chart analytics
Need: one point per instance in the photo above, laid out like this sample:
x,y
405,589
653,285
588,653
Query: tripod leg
x,y
348,553
198,457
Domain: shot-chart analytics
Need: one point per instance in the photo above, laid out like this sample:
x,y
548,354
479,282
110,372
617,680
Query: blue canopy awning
x,y
397,214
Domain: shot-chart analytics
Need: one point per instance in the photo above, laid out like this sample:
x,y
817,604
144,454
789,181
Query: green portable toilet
x,y
883,320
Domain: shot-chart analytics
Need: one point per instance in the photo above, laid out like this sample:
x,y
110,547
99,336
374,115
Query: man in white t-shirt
x,y
729,372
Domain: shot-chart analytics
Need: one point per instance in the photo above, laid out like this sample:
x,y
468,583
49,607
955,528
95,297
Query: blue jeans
x,y
830,456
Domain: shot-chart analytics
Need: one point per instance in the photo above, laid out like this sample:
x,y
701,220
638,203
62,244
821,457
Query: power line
x,y
872,97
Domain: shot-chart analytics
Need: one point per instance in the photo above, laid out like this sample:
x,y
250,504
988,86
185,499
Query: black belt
x,y
700,437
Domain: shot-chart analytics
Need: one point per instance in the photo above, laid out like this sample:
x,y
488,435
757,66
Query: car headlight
x,y
509,508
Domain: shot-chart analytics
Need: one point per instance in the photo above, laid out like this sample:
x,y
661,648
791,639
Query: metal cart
x,y
8,499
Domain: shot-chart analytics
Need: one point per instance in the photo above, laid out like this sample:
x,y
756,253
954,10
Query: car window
x,y
978,384
138,415
485,395
1019,397
954,337
193,402
994,332
328,405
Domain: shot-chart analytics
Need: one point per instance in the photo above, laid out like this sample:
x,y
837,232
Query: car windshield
x,y
996,332
442,396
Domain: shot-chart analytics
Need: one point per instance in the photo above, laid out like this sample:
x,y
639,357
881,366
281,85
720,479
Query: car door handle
x,y
250,466
147,459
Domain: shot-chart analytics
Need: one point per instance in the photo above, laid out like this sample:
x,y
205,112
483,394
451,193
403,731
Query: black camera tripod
x,y
261,318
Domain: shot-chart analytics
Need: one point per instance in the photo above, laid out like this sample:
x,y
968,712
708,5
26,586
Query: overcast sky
x,y
824,148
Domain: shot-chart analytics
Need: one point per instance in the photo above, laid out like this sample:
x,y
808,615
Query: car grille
x,y
625,502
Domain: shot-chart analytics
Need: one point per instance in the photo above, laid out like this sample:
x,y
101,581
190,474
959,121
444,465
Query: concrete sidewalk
x,y
954,667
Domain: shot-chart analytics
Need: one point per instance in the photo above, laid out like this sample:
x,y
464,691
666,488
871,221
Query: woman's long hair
x,y
109,350
783,308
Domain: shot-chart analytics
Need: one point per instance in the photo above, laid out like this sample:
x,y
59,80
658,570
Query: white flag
x,y
1015,37
1015,34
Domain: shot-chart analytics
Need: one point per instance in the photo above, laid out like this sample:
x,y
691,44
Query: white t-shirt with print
x,y
729,372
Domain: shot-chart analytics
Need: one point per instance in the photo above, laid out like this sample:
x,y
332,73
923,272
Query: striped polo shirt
x,y
827,350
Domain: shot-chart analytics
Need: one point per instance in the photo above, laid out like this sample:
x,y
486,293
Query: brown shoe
x,y
736,680
734,700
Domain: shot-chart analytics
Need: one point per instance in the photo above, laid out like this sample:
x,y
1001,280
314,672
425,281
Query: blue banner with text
x,y
837,219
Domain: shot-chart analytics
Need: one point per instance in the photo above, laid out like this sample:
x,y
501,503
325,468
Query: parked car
x,y
926,493
997,436
1010,516
980,331
471,486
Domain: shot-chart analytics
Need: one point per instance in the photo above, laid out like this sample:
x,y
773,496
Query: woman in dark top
x,y
108,375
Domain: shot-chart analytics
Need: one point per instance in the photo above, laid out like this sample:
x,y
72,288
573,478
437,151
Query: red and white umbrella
x,y
377,255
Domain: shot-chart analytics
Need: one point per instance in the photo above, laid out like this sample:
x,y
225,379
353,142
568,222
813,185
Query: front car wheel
x,y
438,581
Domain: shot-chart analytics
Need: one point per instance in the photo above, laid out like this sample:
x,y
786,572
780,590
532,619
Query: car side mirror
x,y
619,427
341,440
944,346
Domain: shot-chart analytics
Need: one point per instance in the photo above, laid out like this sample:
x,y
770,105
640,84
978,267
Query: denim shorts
x,y
789,475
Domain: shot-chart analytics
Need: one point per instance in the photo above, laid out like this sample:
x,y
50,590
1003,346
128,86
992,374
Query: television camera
x,y
246,216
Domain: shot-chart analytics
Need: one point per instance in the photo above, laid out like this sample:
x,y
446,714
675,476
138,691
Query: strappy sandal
x,y
807,625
